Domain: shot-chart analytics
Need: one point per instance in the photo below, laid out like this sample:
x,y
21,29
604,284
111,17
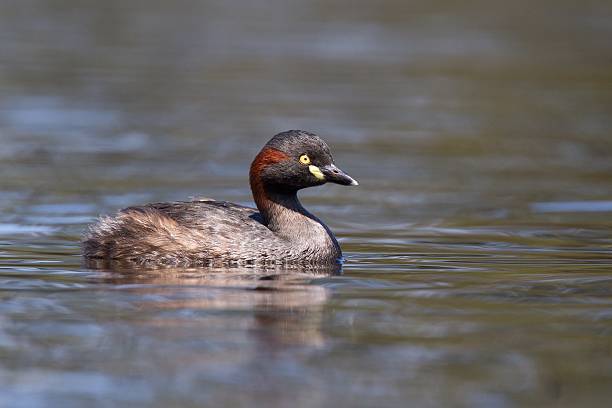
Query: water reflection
x,y
285,307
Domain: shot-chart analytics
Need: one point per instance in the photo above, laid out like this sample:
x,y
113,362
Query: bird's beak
x,y
335,175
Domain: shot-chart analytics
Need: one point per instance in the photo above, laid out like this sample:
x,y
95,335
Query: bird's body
x,y
208,232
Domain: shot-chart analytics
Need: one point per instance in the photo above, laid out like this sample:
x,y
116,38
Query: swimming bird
x,y
218,233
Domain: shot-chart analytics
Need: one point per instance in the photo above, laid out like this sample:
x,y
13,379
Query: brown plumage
x,y
210,233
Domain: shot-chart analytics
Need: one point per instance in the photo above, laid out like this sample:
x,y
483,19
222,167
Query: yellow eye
x,y
304,159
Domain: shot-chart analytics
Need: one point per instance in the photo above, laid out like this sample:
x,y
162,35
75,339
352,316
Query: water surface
x,y
478,245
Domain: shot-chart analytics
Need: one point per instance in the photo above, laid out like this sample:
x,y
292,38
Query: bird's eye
x,y
304,159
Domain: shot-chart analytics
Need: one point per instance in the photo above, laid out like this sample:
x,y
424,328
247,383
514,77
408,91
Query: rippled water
x,y
478,246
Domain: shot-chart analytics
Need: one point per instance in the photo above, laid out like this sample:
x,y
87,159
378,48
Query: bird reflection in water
x,y
277,308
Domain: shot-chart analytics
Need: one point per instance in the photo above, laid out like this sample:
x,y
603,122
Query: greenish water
x,y
478,246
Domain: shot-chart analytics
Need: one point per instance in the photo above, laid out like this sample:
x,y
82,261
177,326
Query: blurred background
x,y
478,244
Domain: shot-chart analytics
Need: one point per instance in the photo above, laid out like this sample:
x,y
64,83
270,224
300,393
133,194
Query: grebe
x,y
211,233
